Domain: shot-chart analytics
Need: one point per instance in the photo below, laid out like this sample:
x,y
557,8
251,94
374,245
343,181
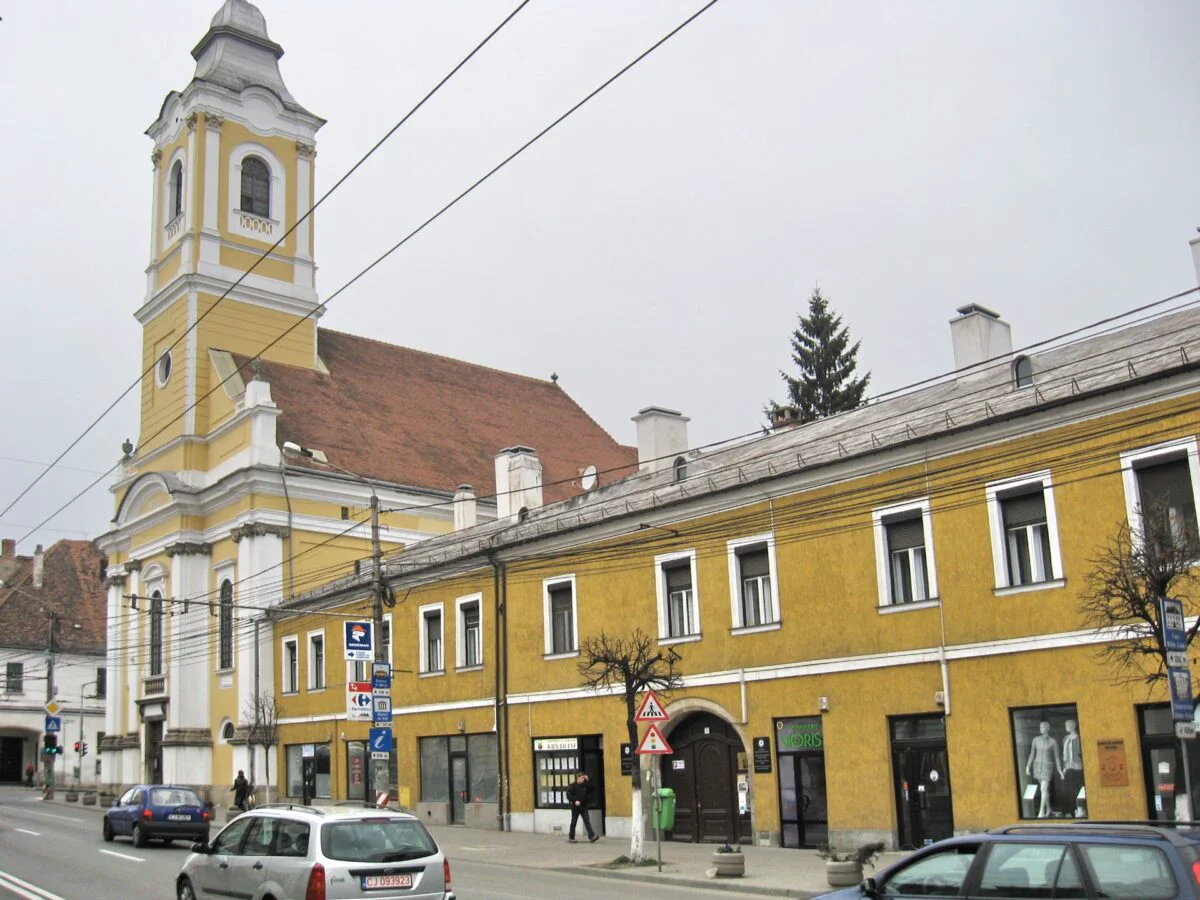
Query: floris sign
x,y
799,734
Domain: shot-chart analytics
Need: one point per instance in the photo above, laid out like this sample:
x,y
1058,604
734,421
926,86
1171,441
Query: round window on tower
x,y
163,370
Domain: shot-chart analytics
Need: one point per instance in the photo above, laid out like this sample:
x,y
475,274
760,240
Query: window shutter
x,y
754,563
1166,484
679,577
1024,509
906,534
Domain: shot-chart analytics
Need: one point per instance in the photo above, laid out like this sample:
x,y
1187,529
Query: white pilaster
x,y
260,555
212,161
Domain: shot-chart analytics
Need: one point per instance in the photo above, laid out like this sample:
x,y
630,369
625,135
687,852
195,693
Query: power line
x,y
266,253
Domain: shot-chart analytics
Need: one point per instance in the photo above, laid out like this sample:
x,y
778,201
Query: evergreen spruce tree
x,y
825,382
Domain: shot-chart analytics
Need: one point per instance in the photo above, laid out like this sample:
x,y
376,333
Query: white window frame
x,y
171,235
735,583
1164,452
548,620
460,645
423,637
660,585
23,676
883,561
279,188
313,687
293,641
996,492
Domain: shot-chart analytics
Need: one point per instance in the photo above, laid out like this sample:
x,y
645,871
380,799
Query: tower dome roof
x,y
243,16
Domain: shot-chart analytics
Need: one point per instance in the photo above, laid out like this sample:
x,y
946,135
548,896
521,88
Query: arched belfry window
x,y
225,625
176,190
1022,371
156,633
256,187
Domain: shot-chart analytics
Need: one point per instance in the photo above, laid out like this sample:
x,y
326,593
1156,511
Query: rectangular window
x,y
316,661
559,611
470,631
101,683
320,761
1049,752
556,763
678,606
904,554
1166,501
1031,870
752,581
1026,538
1120,870
291,666
431,639
14,678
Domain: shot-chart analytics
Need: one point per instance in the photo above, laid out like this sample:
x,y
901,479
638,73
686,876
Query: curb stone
x,y
734,885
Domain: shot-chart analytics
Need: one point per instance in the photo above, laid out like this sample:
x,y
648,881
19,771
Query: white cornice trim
x,y
215,280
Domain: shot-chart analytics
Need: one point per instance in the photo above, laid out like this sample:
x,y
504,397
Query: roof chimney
x,y
39,565
8,548
518,482
979,335
661,437
466,512
784,417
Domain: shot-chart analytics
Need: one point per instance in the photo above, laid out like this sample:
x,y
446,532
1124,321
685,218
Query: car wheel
x,y
108,832
139,836
184,891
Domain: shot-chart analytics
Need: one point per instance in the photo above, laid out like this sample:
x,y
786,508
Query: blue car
x,y
163,811
1126,860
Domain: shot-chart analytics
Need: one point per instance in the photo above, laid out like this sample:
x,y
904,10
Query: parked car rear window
x,y
376,840
1130,873
940,874
1030,870
174,797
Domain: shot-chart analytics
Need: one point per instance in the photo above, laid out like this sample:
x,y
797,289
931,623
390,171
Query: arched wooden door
x,y
703,773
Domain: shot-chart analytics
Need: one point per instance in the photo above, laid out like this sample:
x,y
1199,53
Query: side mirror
x,y
201,847
870,887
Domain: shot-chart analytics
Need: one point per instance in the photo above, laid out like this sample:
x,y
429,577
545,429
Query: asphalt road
x,y
49,851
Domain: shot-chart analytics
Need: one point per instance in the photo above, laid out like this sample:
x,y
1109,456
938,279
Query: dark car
x,y
1126,860
165,811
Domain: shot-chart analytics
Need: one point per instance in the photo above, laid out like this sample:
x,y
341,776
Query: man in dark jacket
x,y
578,795
241,787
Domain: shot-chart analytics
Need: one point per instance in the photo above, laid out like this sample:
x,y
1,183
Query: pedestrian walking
x,y
578,795
241,787
29,774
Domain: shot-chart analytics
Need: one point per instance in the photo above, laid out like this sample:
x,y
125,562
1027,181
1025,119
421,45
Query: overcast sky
x,y
1040,158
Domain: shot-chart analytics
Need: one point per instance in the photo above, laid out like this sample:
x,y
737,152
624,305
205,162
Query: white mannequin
x,y
1044,761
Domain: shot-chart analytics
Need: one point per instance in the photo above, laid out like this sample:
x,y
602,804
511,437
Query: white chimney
x,y
661,437
518,481
1196,256
978,334
39,566
466,511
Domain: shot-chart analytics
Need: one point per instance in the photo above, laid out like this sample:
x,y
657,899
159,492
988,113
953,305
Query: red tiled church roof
x,y
405,416
72,588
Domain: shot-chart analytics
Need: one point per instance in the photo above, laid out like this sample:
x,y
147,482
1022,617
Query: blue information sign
x,y
358,641
1174,628
53,725
381,740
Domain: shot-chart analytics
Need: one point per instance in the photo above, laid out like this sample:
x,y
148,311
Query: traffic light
x,y
50,744
77,746
83,748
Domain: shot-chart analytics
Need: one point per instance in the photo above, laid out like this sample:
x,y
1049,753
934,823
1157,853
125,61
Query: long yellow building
x,y
877,615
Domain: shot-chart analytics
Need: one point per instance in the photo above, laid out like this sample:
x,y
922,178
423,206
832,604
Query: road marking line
x,y
122,855
31,812
27,831
25,889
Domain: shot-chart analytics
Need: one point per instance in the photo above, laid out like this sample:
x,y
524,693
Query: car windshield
x,y
376,839
174,797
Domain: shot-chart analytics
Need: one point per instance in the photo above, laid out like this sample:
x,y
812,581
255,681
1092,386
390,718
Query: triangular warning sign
x,y
651,709
653,742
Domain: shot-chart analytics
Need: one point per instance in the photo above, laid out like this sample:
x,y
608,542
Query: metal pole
x,y
49,757
379,767
657,814
1187,781
79,755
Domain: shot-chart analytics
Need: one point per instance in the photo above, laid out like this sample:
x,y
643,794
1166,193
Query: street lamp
x,y
82,743
292,449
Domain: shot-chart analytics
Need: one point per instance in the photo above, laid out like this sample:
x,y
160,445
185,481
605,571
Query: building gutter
x,y
500,592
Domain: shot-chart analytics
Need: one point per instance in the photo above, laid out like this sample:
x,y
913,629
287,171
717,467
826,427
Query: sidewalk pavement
x,y
770,871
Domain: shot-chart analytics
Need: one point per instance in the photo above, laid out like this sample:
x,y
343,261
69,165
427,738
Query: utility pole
x,y
48,758
380,778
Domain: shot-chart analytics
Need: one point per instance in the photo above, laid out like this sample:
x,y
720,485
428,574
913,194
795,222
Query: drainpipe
x,y
254,701
745,703
287,497
500,588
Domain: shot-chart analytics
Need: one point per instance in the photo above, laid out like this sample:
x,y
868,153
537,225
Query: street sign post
x,y
653,742
381,741
358,701
52,707
53,725
383,709
358,641
1179,676
651,710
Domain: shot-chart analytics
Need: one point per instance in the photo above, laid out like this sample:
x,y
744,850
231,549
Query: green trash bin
x,y
664,809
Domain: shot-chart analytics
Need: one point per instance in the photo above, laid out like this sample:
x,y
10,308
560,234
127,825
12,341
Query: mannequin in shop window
x,y
1072,761
1044,761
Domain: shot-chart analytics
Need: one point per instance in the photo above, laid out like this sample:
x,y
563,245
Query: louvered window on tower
x,y
225,625
156,634
176,190
1027,538
906,552
256,187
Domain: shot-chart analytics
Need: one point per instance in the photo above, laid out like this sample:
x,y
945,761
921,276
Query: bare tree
x,y
628,666
1143,562
262,711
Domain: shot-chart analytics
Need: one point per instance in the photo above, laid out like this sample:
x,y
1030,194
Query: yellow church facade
x,y
876,616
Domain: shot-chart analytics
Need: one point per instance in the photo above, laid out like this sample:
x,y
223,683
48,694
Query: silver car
x,y
293,852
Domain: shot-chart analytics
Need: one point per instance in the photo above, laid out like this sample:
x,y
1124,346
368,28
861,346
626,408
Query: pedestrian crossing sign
x,y
651,709
653,742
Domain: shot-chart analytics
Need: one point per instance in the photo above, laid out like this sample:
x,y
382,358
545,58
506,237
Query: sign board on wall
x,y
762,755
1113,769
627,759
799,734
549,745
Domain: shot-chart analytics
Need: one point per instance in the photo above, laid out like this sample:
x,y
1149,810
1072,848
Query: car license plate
x,y
179,817
386,881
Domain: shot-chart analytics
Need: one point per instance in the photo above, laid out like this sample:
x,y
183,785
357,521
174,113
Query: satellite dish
x,y
588,481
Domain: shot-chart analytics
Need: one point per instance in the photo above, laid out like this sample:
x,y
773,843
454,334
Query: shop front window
x,y
317,758
1049,758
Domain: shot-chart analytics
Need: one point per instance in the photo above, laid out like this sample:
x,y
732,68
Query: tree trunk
x,y
267,772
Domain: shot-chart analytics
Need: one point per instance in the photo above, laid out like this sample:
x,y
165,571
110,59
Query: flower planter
x,y
89,799
107,799
728,865
845,873
72,796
